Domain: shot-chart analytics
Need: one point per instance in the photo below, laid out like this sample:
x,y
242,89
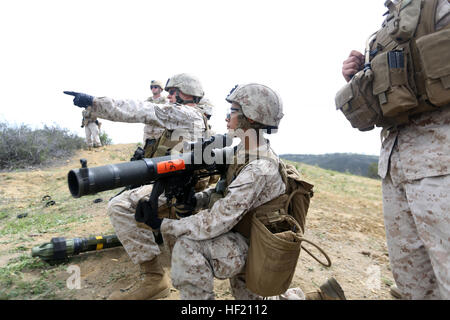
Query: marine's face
x,y
172,95
232,121
156,90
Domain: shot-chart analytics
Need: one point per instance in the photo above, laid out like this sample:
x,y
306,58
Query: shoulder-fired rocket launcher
x,y
174,175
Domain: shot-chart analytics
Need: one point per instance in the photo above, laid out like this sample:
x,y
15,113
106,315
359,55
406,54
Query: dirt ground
x,y
352,234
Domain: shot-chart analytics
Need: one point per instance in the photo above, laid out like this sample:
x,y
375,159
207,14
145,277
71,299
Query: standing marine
x,y
91,127
152,133
402,83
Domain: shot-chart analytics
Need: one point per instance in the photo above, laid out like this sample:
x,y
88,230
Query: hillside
x,y
345,219
358,164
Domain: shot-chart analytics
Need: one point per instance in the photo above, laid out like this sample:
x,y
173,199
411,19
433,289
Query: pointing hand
x,y
81,100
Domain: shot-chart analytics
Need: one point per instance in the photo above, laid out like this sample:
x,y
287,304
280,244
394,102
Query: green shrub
x,y
105,139
21,146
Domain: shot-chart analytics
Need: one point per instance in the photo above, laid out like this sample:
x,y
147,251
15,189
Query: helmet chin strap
x,y
244,123
181,101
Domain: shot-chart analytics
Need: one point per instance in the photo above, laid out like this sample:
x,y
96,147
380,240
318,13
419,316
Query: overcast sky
x,y
114,48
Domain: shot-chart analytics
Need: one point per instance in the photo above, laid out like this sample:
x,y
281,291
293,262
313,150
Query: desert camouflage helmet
x,y
156,83
206,105
259,103
186,83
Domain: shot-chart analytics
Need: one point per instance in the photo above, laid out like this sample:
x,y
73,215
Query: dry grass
x,y
345,219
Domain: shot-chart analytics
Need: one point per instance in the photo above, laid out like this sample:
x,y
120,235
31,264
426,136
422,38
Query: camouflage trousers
x,y
92,135
137,238
196,263
417,223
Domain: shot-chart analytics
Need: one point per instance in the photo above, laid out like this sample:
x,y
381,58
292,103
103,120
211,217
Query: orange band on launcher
x,y
170,166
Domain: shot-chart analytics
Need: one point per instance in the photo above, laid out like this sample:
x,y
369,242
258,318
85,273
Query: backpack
x,y
294,202
275,230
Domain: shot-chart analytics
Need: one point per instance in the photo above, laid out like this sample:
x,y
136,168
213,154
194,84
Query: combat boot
x,y
330,290
154,285
395,292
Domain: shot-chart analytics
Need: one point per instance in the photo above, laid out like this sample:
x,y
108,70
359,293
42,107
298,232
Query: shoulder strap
x,y
427,18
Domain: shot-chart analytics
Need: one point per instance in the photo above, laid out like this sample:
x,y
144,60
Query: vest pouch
x,y
390,83
434,51
273,254
165,145
404,23
150,148
358,104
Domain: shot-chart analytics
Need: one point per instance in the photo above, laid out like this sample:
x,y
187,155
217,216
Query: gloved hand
x,y
81,100
202,199
138,154
145,214
187,207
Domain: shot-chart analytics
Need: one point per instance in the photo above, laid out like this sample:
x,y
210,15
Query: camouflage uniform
x,y
138,239
415,167
91,128
414,164
205,247
151,132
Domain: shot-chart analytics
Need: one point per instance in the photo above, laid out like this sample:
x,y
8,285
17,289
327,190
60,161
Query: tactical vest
x,y
407,69
87,116
164,144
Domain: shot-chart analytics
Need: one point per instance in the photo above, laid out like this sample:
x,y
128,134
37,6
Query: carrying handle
x,y
288,202
318,248
286,208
